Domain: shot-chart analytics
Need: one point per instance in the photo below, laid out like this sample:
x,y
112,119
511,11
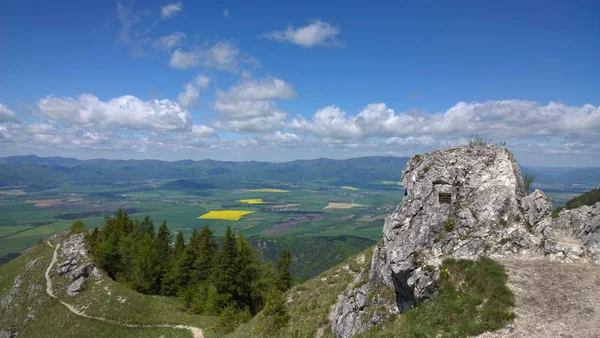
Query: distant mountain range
x,y
34,170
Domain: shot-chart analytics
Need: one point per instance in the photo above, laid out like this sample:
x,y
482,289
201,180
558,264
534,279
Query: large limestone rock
x,y
462,202
583,224
75,263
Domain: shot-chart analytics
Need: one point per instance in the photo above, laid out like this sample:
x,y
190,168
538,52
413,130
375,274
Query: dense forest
x,y
228,279
589,198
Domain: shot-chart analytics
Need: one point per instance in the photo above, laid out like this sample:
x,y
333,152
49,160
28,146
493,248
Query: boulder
x,y
582,223
462,202
76,286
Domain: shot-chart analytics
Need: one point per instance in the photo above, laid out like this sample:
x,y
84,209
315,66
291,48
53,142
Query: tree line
x,y
211,279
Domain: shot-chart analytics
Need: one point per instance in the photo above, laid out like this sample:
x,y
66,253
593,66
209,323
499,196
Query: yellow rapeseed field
x,y
333,205
347,187
229,215
252,201
391,183
268,190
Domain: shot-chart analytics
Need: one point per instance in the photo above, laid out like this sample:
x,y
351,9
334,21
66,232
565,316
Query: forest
x,y
229,279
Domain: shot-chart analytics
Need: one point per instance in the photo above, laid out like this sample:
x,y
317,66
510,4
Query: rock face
x,y
584,224
462,202
74,262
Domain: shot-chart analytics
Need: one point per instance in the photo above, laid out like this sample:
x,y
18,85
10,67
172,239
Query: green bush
x,y
528,181
274,315
449,224
77,227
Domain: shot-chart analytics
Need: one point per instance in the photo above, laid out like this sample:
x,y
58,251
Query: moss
x,y
502,222
449,224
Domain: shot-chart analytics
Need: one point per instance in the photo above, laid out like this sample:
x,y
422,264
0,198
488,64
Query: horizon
x,y
273,162
182,80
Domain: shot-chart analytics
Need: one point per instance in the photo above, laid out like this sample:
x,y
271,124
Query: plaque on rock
x,y
445,197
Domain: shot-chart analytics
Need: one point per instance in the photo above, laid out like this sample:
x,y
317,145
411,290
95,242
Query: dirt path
x,y
553,299
196,332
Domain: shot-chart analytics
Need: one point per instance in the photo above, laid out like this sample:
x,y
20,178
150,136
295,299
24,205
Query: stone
x,y
7,334
461,202
82,271
76,286
583,223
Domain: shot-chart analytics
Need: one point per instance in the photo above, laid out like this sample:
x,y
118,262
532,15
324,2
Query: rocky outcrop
x,y
583,224
462,202
74,263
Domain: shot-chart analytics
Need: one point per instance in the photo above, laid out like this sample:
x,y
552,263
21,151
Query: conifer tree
x,y
205,255
226,268
146,269
284,276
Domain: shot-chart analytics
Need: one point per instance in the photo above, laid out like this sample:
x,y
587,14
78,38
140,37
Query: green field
x,y
293,209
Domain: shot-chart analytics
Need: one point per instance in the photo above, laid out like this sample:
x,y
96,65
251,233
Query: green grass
x,y
473,298
52,319
308,304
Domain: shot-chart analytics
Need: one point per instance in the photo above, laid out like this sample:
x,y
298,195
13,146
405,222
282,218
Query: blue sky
x,y
271,80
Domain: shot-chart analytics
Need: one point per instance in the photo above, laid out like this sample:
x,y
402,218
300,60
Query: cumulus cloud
x,y
170,10
223,55
7,115
249,106
190,96
317,33
121,112
280,137
170,41
496,119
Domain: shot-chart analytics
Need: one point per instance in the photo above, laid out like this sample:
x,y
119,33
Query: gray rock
x,y
32,262
76,286
462,202
7,334
82,271
583,223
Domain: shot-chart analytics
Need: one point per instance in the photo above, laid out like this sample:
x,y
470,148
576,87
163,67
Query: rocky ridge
x,y
461,202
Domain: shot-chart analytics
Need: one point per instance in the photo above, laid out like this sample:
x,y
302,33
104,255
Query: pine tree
x,y
284,276
226,268
248,291
146,269
206,247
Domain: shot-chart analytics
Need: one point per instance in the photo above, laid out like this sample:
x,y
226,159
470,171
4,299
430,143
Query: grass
x,y
473,298
342,205
347,187
308,304
268,190
252,201
52,319
229,215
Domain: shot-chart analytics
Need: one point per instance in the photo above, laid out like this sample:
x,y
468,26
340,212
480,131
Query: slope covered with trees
x,y
228,279
589,198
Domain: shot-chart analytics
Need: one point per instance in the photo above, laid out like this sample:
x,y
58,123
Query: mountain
x,y
29,170
20,170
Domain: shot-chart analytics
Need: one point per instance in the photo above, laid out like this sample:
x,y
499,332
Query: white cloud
x,y
318,33
122,112
223,55
249,106
269,88
494,119
190,96
170,41
280,137
226,13
127,20
254,124
170,10
7,115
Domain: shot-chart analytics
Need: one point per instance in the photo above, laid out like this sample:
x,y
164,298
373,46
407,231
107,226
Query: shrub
x,y
528,181
77,227
449,224
231,317
274,315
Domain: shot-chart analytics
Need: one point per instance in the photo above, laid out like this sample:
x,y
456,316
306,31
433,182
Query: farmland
x,y
311,210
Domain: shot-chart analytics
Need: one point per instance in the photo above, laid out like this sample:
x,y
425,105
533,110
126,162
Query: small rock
x,y
76,286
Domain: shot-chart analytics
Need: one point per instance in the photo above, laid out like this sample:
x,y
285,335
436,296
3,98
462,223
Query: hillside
x,y
104,309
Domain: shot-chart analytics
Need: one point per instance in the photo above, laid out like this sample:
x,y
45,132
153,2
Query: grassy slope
x,y
52,319
309,303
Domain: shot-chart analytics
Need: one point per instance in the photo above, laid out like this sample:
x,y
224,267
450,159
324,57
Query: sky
x,y
282,80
